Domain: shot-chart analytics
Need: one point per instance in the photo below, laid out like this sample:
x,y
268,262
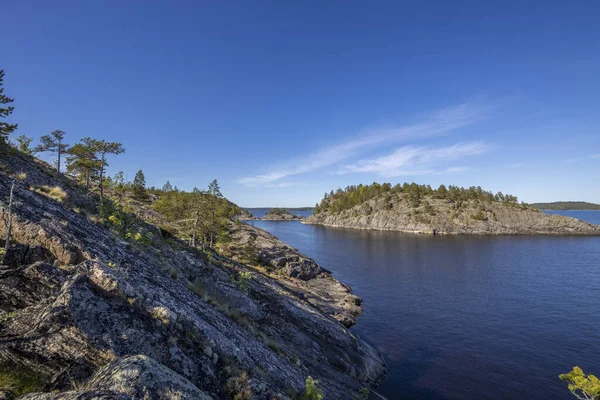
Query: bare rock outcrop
x,y
102,317
307,279
133,377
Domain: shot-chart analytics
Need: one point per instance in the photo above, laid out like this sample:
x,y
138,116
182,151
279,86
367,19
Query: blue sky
x,y
283,101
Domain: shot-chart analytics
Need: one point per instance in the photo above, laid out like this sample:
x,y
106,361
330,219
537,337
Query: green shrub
x,y
581,385
480,216
427,208
241,280
311,391
250,250
237,388
363,394
138,236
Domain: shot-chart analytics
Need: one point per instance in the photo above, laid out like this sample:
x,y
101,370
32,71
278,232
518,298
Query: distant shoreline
x,y
567,209
567,206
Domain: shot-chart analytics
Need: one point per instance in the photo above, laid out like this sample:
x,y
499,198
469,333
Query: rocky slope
x,y
298,273
439,216
85,314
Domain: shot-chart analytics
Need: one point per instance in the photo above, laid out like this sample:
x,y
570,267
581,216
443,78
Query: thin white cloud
x,y
283,184
516,165
452,170
437,123
578,159
411,160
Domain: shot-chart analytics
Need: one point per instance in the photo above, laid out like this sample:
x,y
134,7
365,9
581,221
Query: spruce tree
x,y
139,186
5,128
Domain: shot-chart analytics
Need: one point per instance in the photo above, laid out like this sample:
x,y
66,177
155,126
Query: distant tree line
x,y
277,211
203,216
344,199
566,205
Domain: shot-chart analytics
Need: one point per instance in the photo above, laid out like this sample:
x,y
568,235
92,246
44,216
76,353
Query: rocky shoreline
x,y
298,273
441,217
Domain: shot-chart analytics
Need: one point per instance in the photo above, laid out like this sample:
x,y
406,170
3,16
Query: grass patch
x,y
238,388
56,193
7,316
20,380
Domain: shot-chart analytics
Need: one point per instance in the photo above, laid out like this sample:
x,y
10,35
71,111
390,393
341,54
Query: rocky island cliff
x,y
279,214
420,209
274,214
89,313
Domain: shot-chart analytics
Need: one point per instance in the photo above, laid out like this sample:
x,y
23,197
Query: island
x,y
280,214
245,215
446,210
566,205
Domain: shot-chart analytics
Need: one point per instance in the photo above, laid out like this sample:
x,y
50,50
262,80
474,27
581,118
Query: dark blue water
x,y
585,215
465,316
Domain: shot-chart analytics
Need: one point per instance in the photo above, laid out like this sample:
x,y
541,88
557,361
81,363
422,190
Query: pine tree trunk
x,y
195,228
101,179
9,227
212,228
58,164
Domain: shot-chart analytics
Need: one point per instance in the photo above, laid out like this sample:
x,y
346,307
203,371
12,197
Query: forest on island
x,y
344,199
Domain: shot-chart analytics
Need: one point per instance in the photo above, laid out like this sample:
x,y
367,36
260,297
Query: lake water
x,y
467,317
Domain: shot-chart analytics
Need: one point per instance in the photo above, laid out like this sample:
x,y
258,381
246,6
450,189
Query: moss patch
x,y
20,380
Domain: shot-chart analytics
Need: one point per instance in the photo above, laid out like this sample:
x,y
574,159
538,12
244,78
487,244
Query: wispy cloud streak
x,y
435,124
578,159
411,160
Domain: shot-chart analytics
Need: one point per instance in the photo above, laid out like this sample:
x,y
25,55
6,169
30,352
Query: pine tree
x,y
214,211
213,188
53,143
118,184
24,143
82,161
139,186
5,128
102,149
